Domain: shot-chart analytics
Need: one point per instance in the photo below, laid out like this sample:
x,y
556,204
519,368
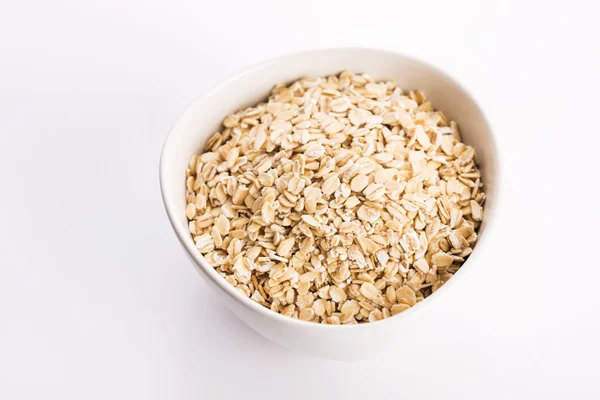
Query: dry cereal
x,y
341,200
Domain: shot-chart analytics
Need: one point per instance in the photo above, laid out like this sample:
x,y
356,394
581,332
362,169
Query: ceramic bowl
x,y
204,116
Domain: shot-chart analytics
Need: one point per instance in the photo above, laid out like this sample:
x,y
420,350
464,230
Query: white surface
x,y
98,301
199,122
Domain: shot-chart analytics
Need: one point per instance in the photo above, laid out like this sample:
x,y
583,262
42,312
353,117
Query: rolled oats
x,y
340,200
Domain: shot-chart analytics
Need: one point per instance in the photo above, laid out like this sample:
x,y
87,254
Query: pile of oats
x,y
341,200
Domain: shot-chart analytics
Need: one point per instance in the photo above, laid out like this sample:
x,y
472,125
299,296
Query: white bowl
x,y
203,117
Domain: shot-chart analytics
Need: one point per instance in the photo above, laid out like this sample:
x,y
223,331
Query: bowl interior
x,y
204,117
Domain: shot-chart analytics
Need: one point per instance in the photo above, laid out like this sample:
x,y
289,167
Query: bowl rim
x,y
204,267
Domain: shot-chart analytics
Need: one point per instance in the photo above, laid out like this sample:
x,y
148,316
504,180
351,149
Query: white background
x,y
97,300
